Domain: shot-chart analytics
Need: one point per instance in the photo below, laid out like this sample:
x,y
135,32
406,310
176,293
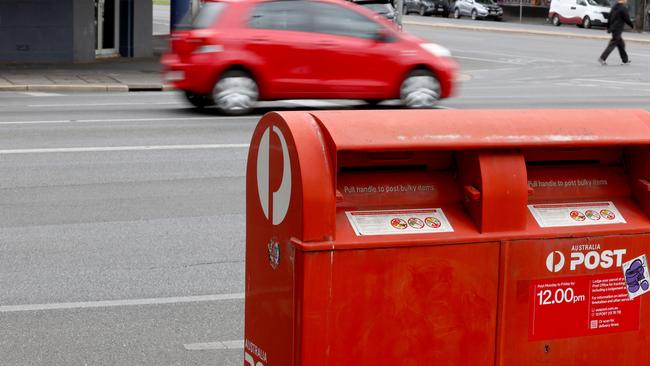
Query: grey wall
x,y
142,28
83,38
36,31
62,31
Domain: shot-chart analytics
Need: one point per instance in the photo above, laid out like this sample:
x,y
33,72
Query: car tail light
x,y
195,41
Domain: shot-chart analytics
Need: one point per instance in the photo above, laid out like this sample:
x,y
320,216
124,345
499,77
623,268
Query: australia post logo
x,y
589,256
274,175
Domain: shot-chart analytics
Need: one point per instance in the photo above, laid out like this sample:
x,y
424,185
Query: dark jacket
x,y
618,17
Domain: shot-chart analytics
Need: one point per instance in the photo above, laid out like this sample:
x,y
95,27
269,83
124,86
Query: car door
x,y
462,6
278,36
569,11
352,62
581,10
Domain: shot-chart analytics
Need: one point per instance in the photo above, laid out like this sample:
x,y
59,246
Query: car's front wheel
x,y
586,23
457,13
420,89
235,93
199,100
474,14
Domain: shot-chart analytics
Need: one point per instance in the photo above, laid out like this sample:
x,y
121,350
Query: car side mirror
x,y
383,36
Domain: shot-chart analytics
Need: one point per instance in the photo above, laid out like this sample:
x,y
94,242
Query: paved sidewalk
x,y
109,74
104,75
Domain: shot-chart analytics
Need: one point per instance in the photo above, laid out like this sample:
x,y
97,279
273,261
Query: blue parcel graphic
x,y
635,278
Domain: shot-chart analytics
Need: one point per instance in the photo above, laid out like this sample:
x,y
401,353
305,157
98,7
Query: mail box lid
x,y
483,129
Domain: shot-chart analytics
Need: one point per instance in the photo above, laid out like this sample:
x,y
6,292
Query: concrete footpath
x,y
120,74
112,75
106,74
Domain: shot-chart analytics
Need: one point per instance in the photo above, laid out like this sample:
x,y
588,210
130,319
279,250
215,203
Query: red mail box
x,y
448,238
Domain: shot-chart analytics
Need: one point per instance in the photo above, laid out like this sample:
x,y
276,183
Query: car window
x,y
280,15
379,8
335,19
206,16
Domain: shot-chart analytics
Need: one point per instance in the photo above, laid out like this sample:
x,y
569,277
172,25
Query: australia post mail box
x,y
448,238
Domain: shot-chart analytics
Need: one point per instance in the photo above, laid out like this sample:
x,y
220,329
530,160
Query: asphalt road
x,y
122,215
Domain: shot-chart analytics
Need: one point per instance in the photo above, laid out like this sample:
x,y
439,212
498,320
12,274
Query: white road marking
x,y
313,103
116,303
98,104
121,148
638,54
219,345
536,58
41,94
489,60
613,82
220,118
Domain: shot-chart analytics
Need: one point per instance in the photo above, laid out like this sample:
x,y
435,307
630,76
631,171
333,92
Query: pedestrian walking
x,y
618,17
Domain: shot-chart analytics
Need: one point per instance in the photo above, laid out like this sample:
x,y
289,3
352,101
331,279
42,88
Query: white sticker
x,y
388,222
576,214
636,276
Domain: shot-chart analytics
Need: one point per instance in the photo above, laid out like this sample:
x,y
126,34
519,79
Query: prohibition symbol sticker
x,y
278,200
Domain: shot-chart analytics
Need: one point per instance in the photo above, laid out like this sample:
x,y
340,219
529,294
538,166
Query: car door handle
x,y
325,44
573,8
260,40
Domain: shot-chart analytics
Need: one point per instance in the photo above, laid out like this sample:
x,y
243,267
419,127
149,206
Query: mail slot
x,y
447,238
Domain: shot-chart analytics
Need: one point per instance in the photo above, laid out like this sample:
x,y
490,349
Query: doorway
x,y
107,27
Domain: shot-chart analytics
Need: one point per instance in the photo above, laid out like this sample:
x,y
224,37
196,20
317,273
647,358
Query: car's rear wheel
x,y
420,89
586,23
457,13
235,93
199,100
405,10
556,20
474,14
422,11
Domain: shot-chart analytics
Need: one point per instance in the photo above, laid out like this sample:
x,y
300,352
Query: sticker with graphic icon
x,y
607,214
416,223
592,215
577,215
398,223
432,222
637,278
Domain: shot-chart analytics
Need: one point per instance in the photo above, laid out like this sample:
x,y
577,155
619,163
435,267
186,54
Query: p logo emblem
x,y
275,204
555,261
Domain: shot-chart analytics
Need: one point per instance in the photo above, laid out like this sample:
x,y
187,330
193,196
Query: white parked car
x,y
583,13
477,9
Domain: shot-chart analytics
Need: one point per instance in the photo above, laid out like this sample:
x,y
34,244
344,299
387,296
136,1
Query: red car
x,y
236,52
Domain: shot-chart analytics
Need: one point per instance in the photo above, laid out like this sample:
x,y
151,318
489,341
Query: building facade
x,y
74,31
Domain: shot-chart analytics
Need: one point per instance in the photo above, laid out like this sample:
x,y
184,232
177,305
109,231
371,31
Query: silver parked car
x,y
477,9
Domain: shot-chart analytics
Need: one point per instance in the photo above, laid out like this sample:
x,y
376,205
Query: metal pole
x,y
399,4
521,7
